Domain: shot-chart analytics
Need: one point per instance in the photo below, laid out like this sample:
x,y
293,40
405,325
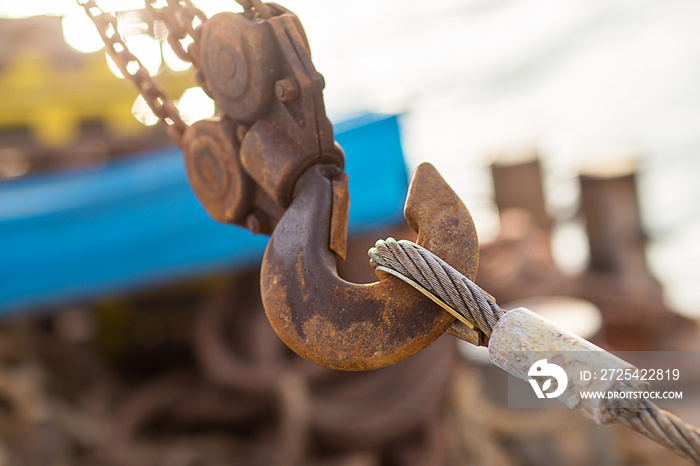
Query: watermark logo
x,y
541,369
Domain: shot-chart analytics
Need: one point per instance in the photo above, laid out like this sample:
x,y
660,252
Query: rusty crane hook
x,y
350,326
270,163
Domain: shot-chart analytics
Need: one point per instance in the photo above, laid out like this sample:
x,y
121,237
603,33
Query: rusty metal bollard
x,y
613,223
517,183
618,280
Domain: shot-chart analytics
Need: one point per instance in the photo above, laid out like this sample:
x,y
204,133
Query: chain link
x,y
131,67
182,19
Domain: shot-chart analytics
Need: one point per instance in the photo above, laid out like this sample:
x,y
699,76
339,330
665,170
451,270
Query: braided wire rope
x,y
437,276
466,298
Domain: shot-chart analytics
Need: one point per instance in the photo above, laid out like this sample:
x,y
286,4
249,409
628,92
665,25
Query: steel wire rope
x,y
423,268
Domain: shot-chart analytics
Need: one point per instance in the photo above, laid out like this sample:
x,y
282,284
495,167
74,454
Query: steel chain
x,y
131,67
182,19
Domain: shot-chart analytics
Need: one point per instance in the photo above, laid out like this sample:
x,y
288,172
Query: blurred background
x,y
132,331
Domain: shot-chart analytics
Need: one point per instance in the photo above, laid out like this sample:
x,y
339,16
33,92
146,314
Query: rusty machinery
x,y
268,162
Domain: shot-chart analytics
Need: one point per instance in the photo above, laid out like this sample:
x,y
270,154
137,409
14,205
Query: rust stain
x,y
348,326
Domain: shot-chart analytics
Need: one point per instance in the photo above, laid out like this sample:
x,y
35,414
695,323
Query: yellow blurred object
x,y
52,100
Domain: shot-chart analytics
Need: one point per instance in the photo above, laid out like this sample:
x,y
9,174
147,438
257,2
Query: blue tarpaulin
x,y
72,236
